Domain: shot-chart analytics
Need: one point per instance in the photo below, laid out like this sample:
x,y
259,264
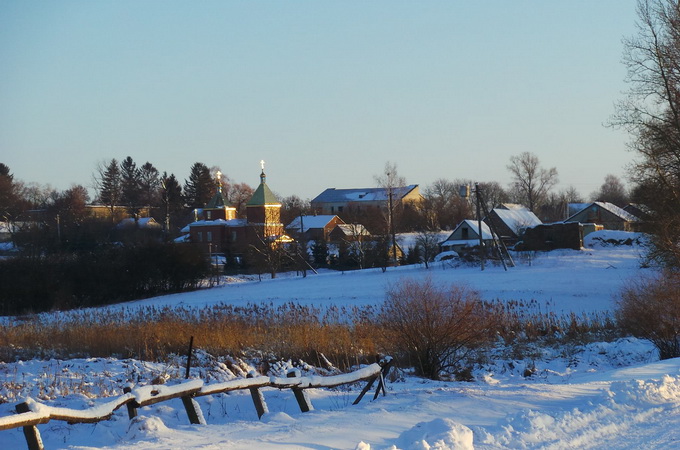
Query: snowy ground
x,y
603,395
559,281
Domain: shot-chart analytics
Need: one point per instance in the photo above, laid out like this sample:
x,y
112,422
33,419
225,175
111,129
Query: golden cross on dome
x,y
262,164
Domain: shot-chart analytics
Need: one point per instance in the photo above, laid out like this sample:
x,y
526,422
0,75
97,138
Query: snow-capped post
x,y
300,394
33,439
191,345
192,408
258,399
131,406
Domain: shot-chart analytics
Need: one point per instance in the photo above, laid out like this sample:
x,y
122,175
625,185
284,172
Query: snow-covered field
x,y
603,395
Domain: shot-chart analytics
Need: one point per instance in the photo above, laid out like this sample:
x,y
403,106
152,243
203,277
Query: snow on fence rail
x,y
31,413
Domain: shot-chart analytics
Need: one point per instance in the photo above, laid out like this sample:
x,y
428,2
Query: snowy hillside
x,y
602,395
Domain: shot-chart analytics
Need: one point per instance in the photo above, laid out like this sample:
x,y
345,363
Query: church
x,y
217,229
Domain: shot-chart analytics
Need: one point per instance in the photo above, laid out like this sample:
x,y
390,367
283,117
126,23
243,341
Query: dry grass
x,y
345,336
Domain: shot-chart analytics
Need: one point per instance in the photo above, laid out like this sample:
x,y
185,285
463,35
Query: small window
x,y
340,208
209,237
208,214
332,208
465,233
199,235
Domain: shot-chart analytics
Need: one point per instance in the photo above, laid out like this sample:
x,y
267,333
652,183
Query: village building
x,y
337,201
466,236
607,215
313,228
510,222
217,229
349,232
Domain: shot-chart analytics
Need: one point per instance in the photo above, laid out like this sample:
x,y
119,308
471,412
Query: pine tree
x,y
172,199
130,186
110,185
149,185
199,188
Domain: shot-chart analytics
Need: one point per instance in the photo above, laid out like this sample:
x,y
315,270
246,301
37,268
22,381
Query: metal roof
x,y
333,195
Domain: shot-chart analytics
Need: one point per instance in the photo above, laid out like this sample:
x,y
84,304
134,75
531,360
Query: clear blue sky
x,y
325,92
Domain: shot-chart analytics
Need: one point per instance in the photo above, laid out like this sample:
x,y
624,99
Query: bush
x,y
437,327
650,309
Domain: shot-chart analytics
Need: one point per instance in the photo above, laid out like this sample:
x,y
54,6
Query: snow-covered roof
x,y
333,195
308,222
474,226
353,229
512,206
516,219
612,208
142,222
212,223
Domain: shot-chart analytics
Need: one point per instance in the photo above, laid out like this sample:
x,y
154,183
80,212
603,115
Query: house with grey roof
x,y
608,215
511,223
335,201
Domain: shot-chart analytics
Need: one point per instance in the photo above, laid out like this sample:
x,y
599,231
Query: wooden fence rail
x,y
31,413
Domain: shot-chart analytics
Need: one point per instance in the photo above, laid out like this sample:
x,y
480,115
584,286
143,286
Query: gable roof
x,y
352,229
333,195
516,219
308,222
472,225
610,207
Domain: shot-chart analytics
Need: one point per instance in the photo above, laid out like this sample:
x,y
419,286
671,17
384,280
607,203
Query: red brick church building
x,y
218,230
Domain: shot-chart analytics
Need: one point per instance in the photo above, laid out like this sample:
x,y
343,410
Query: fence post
x,y
258,399
131,405
300,394
33,439
192,408
385,364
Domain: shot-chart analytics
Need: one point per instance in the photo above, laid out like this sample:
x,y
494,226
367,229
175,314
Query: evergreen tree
x,y
320,252
199,188
149,184
130,185
7,193
110,185
172,199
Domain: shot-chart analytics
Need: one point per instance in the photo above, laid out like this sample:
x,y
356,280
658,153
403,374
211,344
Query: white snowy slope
x,y
561,280
603,395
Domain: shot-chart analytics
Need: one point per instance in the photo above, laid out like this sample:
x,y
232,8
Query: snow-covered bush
x,y
650,309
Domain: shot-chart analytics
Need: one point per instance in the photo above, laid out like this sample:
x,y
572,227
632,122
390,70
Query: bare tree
x,y
531,182
390,180
427,243
612,191
650,112
444,208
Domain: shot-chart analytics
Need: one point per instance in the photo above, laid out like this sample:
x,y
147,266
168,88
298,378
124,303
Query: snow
x,y
601,395
557,281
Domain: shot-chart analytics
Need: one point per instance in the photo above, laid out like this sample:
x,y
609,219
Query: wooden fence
x,y
31,413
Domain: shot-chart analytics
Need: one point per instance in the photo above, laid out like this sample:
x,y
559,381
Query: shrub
x,y
650,309
436,326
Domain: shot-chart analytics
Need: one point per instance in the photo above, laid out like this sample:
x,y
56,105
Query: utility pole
x,y
479,225
394,236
